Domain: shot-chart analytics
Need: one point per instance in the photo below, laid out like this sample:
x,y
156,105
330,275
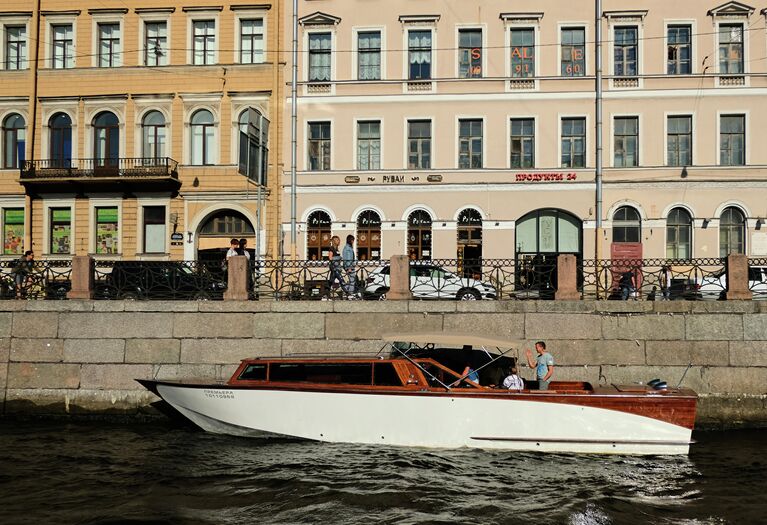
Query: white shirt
x,y
513,382
231,253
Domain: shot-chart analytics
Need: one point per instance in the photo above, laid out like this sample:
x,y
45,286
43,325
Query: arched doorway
x,y
369,236
627,234
317,235
419,236
60,147
541,236
106,140
469,252
218,229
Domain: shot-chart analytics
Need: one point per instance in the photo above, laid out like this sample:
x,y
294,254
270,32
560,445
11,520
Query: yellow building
x,y
122,124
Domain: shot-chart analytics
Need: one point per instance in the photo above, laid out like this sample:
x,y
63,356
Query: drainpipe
x,y
598,110
32,127
293,131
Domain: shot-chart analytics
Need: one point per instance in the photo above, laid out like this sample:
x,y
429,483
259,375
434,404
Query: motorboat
x,y
412,394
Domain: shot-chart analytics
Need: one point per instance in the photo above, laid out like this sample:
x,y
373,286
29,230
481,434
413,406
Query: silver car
x,y
431,282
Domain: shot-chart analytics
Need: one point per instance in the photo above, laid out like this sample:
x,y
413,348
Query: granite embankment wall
x,y
80,357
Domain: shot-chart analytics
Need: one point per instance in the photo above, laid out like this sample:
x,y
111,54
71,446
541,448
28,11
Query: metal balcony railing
x,y
59,169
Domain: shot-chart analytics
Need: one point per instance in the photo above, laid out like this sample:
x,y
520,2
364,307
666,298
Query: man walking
x,y
348,262
544,365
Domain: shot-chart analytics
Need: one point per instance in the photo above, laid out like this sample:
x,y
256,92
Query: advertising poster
x,y
61,231
106,231
13,231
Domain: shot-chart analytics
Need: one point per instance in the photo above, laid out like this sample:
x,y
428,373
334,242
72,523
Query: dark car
x,y
161,280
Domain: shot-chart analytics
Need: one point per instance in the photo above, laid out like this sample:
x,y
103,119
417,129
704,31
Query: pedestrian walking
x,y
347,256
335,276
22,272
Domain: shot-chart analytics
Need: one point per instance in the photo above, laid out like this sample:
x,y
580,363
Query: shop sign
x,y
546,177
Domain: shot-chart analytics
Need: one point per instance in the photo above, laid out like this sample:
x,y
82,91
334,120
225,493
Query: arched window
x,y
106,139
317,235
227,223
627,225
679,234
369,236
153,133
732,232
419,236
61,140
469,250
13,136
203,138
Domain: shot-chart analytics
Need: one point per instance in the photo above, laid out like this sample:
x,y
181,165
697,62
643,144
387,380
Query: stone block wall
x,y
81,357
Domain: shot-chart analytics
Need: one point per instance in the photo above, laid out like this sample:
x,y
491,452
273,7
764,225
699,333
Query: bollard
x,y
567,279
737,278
237,279
399,278
83,268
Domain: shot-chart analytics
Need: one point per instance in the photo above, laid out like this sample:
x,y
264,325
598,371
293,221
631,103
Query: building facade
x,y
124,123
471,131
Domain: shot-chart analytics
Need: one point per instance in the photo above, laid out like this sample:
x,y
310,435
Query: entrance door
x,y
369,236
469,251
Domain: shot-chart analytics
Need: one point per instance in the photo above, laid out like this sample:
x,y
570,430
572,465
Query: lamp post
x,y
293,131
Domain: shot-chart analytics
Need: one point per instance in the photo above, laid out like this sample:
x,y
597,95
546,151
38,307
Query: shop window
x,y
61,231
13,231
317,236
154,229
419,236
369,236
107,230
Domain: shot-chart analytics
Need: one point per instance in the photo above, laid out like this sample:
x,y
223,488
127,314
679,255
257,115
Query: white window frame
x,y
93,108
49,203
144,106
141,202
405,145
16,20
693,118
201,16
426,26
250,14
457,34
150,18
56,20
640,148
523,23
693,43
613,24
104,202
305,61
457,138
306,144
587,119
587,47
355,131
104,18
355,50
746,123
746,53
15,204
536,160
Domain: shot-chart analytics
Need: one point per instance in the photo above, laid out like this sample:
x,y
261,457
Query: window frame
x,y
164,58
666,151
357,139
673,24
585,119
68,60
356,32
532,138
321,140
215,137
213,52
48,206
569,26
5,133
408,138
94,204
114,57
15,20
141,203
10,205
329,52
626,224
742,226
746,150
673,246
22,48
636,45
637,155
241,19
462,28
743,44
471,138
523,27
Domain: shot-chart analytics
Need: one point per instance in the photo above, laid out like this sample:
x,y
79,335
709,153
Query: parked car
x,y
715,286
166,280
429,281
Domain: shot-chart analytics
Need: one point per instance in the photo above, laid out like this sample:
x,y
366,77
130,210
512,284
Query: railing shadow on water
x,y
42,279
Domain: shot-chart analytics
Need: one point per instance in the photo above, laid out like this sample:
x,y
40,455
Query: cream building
x,y
122,124
466,129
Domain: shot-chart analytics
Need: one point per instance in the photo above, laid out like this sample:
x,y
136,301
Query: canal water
x,y
164,473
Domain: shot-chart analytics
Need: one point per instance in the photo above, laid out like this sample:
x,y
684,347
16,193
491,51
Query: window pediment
x,y
625,16
518,18
319,18
419,19
731,10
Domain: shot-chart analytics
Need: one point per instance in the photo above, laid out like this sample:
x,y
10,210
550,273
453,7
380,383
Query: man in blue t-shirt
x,y
544,365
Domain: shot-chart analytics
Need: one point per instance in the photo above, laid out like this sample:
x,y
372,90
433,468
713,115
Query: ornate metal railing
x,y
42,279
96,168
319,280
159,280
652,279
757,277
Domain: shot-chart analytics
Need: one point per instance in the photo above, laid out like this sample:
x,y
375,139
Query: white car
x,y
431,282
715,286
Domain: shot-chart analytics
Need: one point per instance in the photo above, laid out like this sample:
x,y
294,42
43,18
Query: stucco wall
x,y
77,357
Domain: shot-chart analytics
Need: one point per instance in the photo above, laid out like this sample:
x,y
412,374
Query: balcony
x,y
126,174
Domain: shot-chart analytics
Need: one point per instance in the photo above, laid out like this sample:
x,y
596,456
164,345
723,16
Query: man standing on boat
x,y
544,365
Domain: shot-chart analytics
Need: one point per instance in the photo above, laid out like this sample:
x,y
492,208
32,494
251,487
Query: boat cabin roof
x,y
452,339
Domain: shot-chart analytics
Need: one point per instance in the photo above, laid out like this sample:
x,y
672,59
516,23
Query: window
x,y
203,138
732,232
109,45
252,41
419,236
60,127
61,230
678,234
106,139
470,144
153,133
15,47
522,53
317,235
156,44
13,231
470,53
626,52
419,55
625,143
319,57
419,144
679,141
13,140
573,52
369,145
227,223
62,46
573,142
732,140
522,143
731,49
627,226
319,146
369,55
154,229
204,44
369,236
106,230
346,373
679,50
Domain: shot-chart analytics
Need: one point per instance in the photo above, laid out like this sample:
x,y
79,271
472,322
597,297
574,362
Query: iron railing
x,y
159,280
42,279
145,167
757,277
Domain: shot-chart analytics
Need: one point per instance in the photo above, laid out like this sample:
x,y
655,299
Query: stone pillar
x,y
737,278
83,269
237,279
567,278
399,278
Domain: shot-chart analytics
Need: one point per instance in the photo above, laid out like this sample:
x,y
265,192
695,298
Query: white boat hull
x,y
425,420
